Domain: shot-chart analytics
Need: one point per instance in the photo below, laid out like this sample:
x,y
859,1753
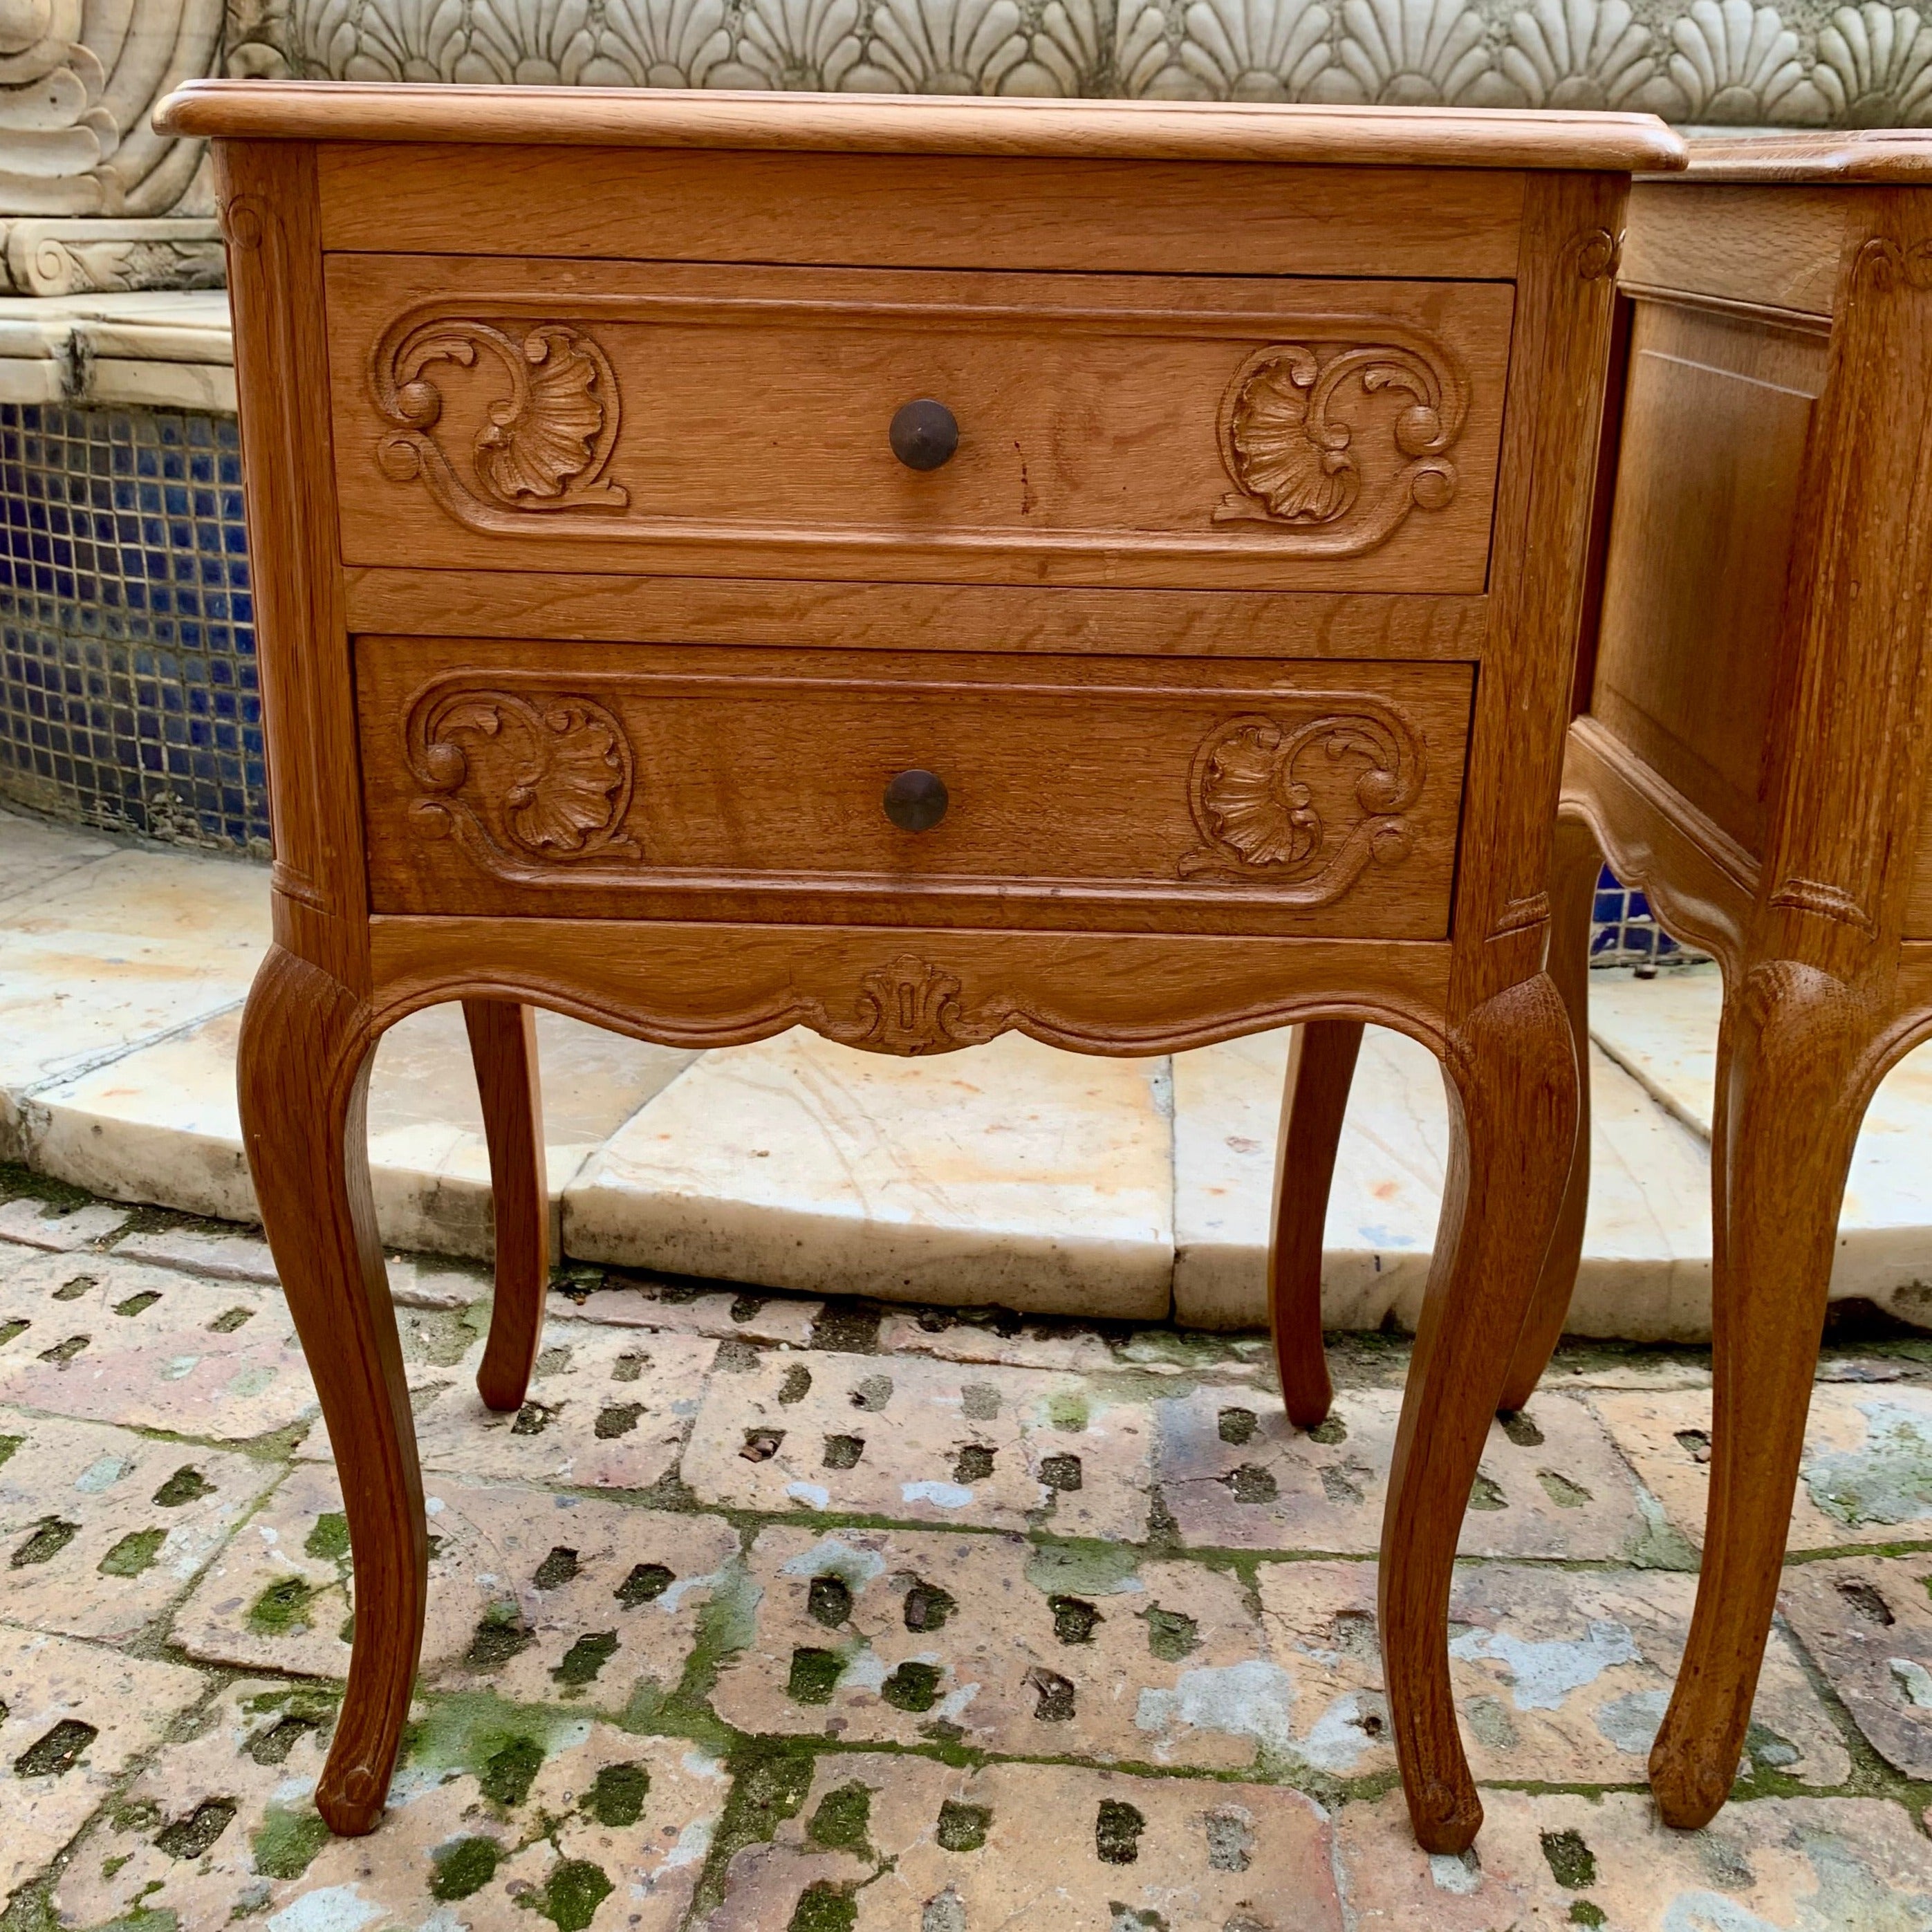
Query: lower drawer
x,y
626,782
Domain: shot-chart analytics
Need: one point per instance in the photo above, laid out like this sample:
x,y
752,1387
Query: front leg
x,y
303,1072
1511,1075
1794,1072
1321,1065
503,1047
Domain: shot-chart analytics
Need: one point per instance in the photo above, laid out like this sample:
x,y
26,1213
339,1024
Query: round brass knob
x,y
916,800
924,433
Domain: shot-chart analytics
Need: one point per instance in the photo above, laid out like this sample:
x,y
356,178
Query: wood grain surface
x,y
1127,430
709,783
915,618
1773,248
612,117
920,211
1718,409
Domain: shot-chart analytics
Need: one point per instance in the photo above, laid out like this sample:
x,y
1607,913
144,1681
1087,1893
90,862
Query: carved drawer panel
x,y
623,781
1266,432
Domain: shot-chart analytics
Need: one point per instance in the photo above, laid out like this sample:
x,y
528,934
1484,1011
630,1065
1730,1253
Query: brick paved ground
x,y
803,1616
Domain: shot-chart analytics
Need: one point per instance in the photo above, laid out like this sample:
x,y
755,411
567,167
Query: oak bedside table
x,y
913,570
1754,711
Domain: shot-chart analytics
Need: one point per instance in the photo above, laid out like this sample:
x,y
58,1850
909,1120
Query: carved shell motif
x,y
1256,811
1289,447
544,446
522,783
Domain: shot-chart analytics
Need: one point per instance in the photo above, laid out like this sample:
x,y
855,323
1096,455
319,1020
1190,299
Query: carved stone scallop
x,y
1258,814
1289,445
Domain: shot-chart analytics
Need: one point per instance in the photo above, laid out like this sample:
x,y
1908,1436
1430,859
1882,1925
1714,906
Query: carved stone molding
x,y
531,784
1256,813
544,445
1291,454
82,257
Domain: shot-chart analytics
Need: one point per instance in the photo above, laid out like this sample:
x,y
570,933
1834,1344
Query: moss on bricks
x,y
287,1841
617,1797
463,1867
768,1783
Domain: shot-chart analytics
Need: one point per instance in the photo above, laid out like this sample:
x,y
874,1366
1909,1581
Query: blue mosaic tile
x,y
127,684
1625,932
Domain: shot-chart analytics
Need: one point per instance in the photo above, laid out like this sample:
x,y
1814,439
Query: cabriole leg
x,y
503,1046
303,1074
1511,1078
1321,1065
1792,1092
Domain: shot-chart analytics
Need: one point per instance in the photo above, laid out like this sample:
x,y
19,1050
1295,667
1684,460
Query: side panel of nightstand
x,y
1717,412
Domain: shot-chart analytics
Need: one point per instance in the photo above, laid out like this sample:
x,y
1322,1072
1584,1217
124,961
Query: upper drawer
x,y
1261,433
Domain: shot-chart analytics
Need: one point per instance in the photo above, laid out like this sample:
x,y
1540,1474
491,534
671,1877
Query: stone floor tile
x,y
1867,1621
36,1225
417,1281
429,1166
1663,1032
1011,1174
110,955
1647,1251
103,1528
1035,1848
1012,1343
1560,1676
33,855
922,1441
1866,1478
223,1827
77,1716
681,1308
112,1341
1575,1367
607,1409
1236,1474
1773,1864
161,1123
217,1257
893,1637
523,1585
1381,1208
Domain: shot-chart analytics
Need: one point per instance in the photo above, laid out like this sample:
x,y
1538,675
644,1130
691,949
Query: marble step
x,y
1010,1175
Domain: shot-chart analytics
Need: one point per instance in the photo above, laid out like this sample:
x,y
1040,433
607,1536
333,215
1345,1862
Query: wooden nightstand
x,y
912,569
1754,708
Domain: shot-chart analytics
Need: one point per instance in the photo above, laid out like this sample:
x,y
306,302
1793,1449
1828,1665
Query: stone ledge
x,y
159,349
1011,1174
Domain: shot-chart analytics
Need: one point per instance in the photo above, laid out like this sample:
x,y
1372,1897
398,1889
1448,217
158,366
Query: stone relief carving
x,y
111,204
1728,62
1293,463
1257,813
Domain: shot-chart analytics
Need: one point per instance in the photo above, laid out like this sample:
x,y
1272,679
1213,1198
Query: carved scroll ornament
x,y
526,784
1290,447
544,444
1256,811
